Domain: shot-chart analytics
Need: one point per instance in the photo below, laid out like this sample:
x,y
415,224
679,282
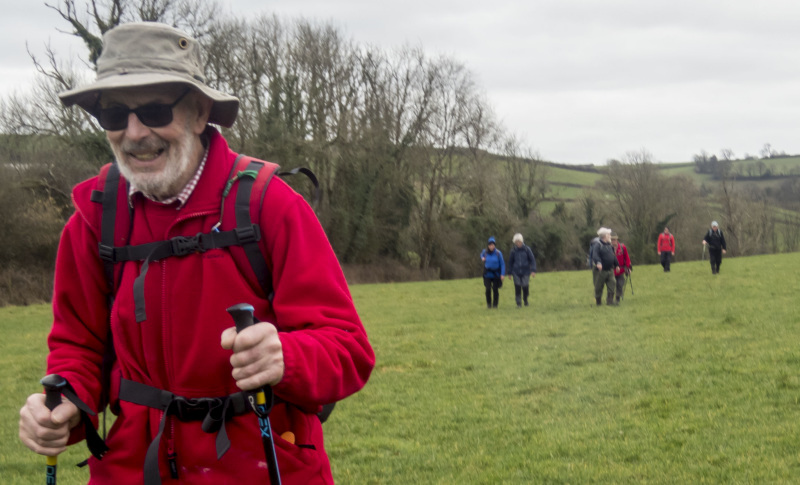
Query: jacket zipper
x,y
168,368
172,454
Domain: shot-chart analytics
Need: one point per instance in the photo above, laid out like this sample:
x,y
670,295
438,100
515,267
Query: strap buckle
x,y
248,234
195,409
181,246
106,252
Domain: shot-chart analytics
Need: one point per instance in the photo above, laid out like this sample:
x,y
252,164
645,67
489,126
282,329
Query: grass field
x,y
693,379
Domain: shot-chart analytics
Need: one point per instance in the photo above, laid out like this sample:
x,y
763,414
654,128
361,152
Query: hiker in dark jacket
x,y
523,267
715,241
605,260
494,272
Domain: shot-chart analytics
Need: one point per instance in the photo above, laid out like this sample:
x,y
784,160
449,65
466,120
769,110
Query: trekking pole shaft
x,y
243,317
53,384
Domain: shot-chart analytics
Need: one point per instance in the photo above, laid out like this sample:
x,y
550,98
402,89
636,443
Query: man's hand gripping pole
x,y
260,399
53,384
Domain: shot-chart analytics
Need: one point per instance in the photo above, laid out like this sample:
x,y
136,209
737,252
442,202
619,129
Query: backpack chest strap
x,y
181,245
176,246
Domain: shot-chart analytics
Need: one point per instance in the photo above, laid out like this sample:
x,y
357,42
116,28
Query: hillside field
x,y
577,180
693,379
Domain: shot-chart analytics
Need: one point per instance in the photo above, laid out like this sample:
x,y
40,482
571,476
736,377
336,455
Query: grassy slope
x,y
693,379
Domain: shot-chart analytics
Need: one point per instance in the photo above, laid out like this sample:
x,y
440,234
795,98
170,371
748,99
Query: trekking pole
x,y
243,317
704,252
630,280
53,384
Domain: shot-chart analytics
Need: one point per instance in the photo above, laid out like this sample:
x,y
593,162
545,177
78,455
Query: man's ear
x,y
202,112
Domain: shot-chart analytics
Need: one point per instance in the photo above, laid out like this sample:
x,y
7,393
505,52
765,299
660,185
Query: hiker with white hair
x,y
605,260
523,267
197,401
593,245
715,241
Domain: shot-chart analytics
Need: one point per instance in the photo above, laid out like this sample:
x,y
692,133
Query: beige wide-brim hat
x,y
148,53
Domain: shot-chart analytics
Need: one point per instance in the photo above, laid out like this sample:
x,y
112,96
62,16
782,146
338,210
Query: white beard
x,y
169,181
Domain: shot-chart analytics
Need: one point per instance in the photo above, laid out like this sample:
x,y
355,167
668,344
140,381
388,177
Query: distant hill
x,y
567,182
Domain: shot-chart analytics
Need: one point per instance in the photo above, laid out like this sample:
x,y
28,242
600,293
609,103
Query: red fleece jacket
x,y
666,242
326,352
623,258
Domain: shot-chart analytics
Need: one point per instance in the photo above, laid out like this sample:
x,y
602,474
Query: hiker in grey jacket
x,y
605,260
523,267
594,244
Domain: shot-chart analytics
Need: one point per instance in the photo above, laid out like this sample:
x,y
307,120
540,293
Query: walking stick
x,y
262,401
630,280
53,384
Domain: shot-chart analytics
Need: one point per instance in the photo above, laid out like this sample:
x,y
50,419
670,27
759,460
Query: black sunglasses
x,y
153,115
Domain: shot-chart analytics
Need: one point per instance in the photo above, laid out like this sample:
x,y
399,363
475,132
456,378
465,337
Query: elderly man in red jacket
x,y
180,368
624,268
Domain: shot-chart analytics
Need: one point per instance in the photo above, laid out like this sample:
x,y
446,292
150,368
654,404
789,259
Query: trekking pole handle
x,y
53,384
242,315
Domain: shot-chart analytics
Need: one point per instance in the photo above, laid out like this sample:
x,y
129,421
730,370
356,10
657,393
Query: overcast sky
x,y
581,81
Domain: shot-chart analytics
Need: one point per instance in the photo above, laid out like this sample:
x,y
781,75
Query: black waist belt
x,y
212,411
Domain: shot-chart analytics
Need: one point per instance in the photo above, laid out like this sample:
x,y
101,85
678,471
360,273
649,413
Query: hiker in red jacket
x,y
666,248
180,366
624,269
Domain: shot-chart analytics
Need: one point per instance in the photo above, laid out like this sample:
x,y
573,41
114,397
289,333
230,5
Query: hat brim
x,y
223,111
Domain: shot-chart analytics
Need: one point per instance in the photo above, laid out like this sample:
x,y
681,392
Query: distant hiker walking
x,y
593,245
494,272
523,267
624,268
715,241
605,260
666,248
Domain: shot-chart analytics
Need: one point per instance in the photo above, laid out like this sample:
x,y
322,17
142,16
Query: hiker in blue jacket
x,y
522,266
494,272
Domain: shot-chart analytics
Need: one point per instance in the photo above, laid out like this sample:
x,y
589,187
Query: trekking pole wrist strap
x,y
97,447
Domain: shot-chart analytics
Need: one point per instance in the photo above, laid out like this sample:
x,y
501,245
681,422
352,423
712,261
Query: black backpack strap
x,y
246,224
108,199
107,226
308,173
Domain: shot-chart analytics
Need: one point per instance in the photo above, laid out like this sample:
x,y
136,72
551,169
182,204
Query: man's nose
x,y
136,130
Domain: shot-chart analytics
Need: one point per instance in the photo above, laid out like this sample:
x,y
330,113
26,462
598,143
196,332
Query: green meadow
x,y
694,378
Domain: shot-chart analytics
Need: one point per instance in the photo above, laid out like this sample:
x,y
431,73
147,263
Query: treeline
x,y
399,139
415,169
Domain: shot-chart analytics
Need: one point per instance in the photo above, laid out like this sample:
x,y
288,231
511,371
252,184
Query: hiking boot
x,y
617,298
526,303
599,301
519,305
610,302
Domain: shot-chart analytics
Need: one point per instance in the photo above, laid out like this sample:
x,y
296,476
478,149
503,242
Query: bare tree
x,y
726,154
526,177
749,221
638,191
